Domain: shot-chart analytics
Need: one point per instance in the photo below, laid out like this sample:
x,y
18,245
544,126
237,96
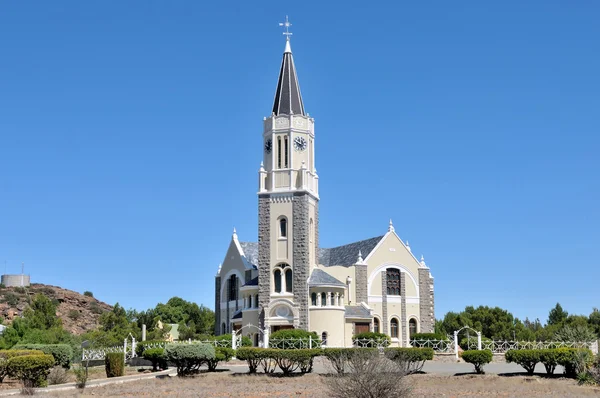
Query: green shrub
x,y
62,353
87,293
226,339
338,357
428,336
478,358
32,370
293,339
156,356
251,355
526,358
371,339
574,360
5,355
114,363
470,343
189,357
141,346
81,376
222,354
549,357
11,299
74,314
409,360
291,360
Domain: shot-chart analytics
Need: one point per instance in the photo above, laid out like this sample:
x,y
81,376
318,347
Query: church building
x,y
286,280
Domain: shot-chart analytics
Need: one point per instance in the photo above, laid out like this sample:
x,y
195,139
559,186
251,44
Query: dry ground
x,y
312,385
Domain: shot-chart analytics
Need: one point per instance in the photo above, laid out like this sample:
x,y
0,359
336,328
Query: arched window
x,y
324,338
256,301
249,301
394,328
277,277
283,227
285,140
288,280
232,288
255,339
313,299
278,152
323,299
393,281
412,327
223,328
376,325
332,299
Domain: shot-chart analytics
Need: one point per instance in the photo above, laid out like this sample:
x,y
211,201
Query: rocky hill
x,y
79,313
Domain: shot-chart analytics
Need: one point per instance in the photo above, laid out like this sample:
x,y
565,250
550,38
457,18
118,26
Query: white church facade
x,y
285,280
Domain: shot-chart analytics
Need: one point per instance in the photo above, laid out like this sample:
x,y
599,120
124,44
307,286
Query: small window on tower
x,y
285,140
283,227
278,152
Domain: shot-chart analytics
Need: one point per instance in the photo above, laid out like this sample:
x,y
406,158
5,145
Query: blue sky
x,y
130,139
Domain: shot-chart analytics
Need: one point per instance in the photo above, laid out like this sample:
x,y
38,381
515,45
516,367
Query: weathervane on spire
x,y
287,25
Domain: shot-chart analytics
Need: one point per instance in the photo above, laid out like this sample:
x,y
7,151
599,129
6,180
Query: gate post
x,y
456,344
125,350
266,337
310,342
233,340
479,341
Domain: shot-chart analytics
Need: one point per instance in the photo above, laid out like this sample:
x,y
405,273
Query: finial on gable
x,y
408,246
423,261
262,166
234,236
219,270
360,259
391,227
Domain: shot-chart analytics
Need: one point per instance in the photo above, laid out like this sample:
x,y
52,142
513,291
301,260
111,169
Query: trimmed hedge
x,y
293,339
114,363
478,358
222,354
569,358
409,360
32,370
428,336
549,357
372,339
5,355
157,357
251,355
189,357
141,346
526,358
288,361
62,353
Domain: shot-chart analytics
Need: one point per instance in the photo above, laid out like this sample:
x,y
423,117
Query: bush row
x,y
478,358
30,366
269,358
62,353
573,360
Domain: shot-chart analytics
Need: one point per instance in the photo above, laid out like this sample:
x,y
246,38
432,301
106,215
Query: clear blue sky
x,y
130,139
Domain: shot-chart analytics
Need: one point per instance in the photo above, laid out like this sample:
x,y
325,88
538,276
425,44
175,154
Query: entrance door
x,y
280,327
362,328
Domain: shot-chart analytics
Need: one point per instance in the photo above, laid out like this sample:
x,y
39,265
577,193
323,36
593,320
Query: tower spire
x,y
288,100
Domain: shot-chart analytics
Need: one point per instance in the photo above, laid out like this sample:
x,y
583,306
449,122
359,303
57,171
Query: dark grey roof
x,y
320,278
252,282
347,255
251,252
288,99
237,315
357,311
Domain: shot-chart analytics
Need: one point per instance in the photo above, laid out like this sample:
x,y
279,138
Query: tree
x,y
557,315
594,321
178,310
41,314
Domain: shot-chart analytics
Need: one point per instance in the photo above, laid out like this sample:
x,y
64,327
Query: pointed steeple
x,y
288,99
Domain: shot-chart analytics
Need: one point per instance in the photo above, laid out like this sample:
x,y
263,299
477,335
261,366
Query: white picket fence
x,y
500,347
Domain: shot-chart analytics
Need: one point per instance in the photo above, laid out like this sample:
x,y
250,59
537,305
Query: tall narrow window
x,y
332,299
313,299
394,328
249,301
288,280
223,328
232,288
277,277
412,327
283,227
324,338
285,140
376,325
278,152
323,299
393,281
256,301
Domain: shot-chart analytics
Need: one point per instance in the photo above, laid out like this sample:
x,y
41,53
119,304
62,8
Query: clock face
x,y
299,144
268,145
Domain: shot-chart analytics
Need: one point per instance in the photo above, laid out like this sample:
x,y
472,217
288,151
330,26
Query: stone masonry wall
x,y
361,284
403,307
217,305
426,302
385,322
316,232
264,256
301,258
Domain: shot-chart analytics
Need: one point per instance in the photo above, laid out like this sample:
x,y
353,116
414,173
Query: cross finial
x,y
287,25
391,227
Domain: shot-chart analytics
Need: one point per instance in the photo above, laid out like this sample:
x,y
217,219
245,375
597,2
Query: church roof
x,y
250,252
237,315
357,311
347,255
288,99
322,278
252,282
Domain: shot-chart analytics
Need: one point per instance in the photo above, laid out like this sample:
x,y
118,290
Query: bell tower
x,y
288,204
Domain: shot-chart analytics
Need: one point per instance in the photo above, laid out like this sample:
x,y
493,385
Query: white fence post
x,y
133,347
479,341
233,340
266,337
124,349
310,342
456,344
